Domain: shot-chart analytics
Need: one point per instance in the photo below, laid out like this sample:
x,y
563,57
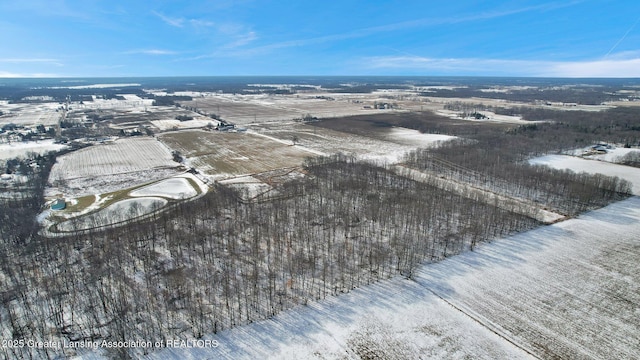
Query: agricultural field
x,y
223,155
30,114
111,166
552,292
130,114
246,109
382,144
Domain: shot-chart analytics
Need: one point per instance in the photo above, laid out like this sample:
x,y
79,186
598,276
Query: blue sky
x,y
582,38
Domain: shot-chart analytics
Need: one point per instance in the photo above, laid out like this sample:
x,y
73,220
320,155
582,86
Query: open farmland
x,y
222,154
30,114
553,292
384,144
245,109
110,166
125,114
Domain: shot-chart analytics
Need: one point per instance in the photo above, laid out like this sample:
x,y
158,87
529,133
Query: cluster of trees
x,y
19,209
563,191
584,94
170,100
631,159
184,117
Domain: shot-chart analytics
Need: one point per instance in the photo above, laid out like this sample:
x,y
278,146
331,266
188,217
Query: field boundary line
x,y
485,323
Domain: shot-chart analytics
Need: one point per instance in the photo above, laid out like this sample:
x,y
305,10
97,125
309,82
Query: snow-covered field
x,y
111,166
577,164
25,114
173,188
21,149
384,147
246,109
568,290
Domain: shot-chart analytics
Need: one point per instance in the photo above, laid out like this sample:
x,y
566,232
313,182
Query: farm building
x,y
58,204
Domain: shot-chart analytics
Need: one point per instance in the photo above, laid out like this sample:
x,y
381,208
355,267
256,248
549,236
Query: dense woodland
x,y
576,94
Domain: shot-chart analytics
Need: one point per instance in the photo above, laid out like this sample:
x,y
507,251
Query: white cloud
x,y
151,52
201,23
404,25
629,67
599,68
176,22
45,61
8,74
242,40
181,22
29,60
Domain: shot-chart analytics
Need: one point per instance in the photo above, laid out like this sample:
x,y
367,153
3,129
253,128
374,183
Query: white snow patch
x,y
21,149
413,137
117,212
170,124
249,186
173,188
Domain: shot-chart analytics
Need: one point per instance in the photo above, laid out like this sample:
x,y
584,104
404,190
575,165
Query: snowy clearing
x,y
21,149
120,211
415,138
491,117
249,186
174,188
554,292
576,164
